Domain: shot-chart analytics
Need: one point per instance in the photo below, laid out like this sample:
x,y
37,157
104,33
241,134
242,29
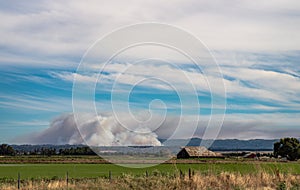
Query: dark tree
x,y
287,147
76,151
6,150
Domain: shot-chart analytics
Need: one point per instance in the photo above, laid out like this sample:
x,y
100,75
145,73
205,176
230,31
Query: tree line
x,y
8,150
286,148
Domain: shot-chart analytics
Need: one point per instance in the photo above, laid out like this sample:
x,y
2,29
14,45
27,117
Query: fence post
x,y
18,180
190,174
147,173
109,175
181,175
67,180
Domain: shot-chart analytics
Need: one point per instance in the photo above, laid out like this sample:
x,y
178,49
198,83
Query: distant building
x,y
250,155
198,152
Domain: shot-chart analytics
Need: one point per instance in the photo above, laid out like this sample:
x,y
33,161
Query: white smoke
x,y
95,130
106,131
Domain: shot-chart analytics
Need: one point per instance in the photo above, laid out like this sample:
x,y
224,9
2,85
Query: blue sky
x,y
255,44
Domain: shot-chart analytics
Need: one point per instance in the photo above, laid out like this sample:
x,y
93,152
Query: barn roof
x,y
201,151
249,155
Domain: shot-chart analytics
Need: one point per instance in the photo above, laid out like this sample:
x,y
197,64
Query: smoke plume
x,y
94,131
106,130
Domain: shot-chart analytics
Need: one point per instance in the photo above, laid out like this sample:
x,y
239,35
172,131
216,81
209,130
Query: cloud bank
x,y
69,27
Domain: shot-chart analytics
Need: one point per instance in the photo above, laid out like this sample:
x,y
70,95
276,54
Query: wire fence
x,y
109,175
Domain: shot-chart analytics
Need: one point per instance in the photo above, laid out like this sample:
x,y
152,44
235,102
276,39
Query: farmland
x,y
78,169
89,172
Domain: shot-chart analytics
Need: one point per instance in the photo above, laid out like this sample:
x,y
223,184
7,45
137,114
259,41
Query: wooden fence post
x,y
19,180
190,174
181,175
109,176
67,180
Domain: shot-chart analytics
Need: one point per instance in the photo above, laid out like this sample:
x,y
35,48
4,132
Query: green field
x,y
38,171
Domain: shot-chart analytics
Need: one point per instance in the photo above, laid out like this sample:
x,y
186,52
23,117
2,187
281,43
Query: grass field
x,y
49,171
91,172
254,177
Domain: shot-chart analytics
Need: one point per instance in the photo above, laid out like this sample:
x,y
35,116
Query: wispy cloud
x,y
240,82
30,103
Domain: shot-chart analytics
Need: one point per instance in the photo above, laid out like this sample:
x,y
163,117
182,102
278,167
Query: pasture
x,y
91,172
77,171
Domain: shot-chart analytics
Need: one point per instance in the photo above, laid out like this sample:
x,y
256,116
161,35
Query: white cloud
x,y
21,124
259,84
27,102
68,28
276,87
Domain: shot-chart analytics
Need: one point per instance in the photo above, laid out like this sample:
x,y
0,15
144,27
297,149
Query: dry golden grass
x,y
224,180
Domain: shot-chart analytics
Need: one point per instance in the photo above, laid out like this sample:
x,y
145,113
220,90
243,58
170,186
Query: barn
x,y
197,152
250,155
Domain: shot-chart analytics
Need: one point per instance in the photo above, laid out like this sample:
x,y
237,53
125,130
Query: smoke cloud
x,y
106,130
95,130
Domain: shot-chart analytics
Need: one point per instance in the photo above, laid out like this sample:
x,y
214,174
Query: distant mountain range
x,y
224,145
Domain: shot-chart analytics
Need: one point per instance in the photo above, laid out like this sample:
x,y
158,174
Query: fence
x,y
110,176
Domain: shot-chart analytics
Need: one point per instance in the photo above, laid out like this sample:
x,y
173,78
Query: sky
x,y
255,44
